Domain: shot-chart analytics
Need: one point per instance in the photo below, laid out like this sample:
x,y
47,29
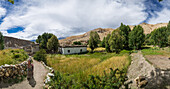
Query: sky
x,y
26,19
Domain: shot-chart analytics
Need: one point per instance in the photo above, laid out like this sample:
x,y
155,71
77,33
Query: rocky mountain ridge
x,y
148,28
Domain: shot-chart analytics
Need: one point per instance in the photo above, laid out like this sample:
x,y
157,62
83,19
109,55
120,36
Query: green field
x,y
79,67
12,56
157,51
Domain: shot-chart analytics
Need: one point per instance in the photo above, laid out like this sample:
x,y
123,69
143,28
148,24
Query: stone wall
x,y
8,72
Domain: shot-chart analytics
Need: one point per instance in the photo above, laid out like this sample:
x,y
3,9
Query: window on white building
x,y
68,51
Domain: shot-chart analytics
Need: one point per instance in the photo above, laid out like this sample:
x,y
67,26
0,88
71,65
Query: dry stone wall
x,y
8,72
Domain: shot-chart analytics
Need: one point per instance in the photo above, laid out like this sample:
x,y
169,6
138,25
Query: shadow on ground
x,y
160,79
7,83
32,82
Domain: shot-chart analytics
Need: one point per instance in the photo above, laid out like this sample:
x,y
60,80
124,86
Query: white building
x,y
76,49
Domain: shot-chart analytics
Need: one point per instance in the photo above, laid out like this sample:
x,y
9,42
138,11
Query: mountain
x,y
148,28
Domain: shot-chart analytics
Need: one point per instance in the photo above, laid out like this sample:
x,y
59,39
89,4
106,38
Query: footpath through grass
x,y
12,56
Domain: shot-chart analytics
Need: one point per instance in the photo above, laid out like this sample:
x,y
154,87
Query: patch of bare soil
x,y
159,61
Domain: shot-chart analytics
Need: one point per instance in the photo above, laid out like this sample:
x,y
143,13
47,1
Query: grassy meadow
x,y
12,56
157,51
79,67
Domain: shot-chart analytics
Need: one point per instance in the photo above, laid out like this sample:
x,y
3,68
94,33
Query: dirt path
x,y
156,77
139,67
37,83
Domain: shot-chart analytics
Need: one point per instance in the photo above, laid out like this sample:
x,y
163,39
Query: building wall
x,y
35,48
11,42
73,50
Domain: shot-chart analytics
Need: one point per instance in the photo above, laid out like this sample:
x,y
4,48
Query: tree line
x,y
159,37
48,43
125,38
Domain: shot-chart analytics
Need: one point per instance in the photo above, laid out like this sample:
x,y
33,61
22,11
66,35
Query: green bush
x,y
114,80
12,56
40,56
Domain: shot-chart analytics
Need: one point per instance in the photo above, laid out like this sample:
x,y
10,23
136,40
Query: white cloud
x,y
162,17
71,17
2,12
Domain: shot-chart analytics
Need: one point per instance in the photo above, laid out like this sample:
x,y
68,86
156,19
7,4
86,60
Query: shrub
x,y
12,56
114,80
77,43
40,56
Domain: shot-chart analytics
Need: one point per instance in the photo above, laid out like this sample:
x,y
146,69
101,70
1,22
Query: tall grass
x,y
12,56
71,65
80,66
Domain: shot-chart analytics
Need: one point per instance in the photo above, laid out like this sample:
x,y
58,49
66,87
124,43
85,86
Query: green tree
x,y
107,46
39,39
1,41
116,41
102,43
136,37
40,56
97,37
94,40
169,40
43,39
11,1
126,30
160,37
168,30
77,43
53,44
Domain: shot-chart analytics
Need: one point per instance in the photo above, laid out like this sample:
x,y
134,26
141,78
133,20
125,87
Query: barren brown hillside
x,y
148,28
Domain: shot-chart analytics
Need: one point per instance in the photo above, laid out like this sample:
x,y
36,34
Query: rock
x,y
19,78
46,86
14,77
143,83
1,74
49,87
48,79
141,78
7,74
50,74
3,70
15,71
6,65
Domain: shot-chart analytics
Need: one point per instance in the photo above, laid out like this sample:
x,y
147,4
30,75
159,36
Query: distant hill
x,y
148,28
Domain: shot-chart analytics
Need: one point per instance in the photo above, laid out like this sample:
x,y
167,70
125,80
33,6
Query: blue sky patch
x,y
15,30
